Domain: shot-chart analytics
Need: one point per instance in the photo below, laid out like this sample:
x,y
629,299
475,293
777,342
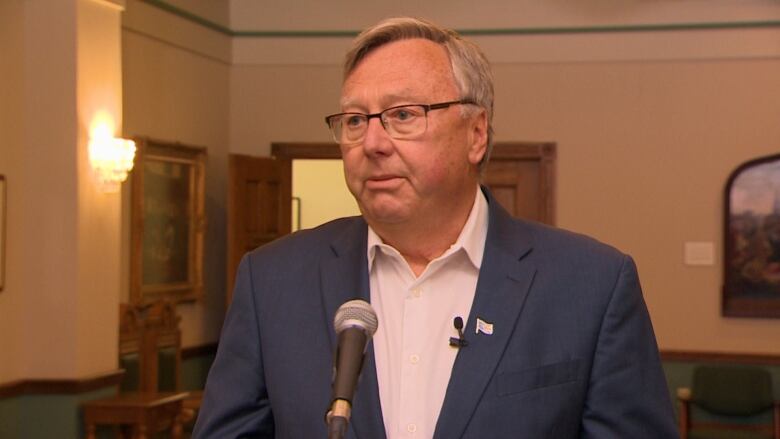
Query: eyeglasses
x,y
401,122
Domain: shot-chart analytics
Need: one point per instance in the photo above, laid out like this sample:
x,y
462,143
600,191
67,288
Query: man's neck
x,y
422,240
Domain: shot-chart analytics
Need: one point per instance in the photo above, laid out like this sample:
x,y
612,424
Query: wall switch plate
x,y
699,253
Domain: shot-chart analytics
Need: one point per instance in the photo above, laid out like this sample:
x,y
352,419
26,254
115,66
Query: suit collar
x,y
504,282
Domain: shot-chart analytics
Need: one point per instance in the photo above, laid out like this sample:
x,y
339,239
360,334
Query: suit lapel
x,y
504,282
344,277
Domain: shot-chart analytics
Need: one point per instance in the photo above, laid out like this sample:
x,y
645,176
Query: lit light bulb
x,y
111,158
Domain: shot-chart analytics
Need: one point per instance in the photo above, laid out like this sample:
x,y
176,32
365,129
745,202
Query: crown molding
x,y
564,30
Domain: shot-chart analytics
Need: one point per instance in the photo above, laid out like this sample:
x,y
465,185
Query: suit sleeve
x,y
235,401
628,394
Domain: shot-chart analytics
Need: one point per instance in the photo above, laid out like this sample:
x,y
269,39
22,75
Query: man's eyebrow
x,y
388,100
346,102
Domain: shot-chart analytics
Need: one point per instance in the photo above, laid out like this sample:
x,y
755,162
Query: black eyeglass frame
x,y
425,107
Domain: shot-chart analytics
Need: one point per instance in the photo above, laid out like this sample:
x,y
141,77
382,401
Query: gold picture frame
x,y
167,221
751,262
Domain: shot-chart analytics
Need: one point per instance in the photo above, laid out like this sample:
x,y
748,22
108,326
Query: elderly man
x,y
559,341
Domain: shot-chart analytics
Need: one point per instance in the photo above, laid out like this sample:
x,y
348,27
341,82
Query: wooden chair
x,y
732,394
150,352
160,348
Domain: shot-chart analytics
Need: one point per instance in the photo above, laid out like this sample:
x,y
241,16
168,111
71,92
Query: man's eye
x,y
353,121
402,114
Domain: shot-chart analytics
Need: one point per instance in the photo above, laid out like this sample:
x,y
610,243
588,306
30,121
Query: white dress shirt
x,y
411,346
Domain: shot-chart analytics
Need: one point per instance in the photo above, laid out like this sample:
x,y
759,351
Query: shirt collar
x,y
471,239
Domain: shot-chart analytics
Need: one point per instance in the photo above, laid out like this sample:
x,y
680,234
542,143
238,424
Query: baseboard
x,y
720,357
61,386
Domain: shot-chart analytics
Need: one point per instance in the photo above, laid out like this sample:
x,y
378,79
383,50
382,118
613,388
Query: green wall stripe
x,y
623,28
472,32
296,33
189,16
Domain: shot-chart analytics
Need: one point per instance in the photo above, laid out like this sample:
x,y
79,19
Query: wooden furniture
x,y
730,393
150,347
145,413
150,399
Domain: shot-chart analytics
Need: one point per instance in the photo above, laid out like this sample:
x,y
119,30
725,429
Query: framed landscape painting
x,y
751,286
168,222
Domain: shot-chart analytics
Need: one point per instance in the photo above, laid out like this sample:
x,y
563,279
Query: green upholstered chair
x,y
731,396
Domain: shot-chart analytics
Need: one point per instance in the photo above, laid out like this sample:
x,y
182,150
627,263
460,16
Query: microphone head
x,y
458,323
356,314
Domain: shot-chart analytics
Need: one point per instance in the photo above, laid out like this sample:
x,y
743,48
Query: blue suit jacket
x,y
572,354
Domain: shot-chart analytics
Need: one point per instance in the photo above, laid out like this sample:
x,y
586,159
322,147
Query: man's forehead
x,y
397,71
404,95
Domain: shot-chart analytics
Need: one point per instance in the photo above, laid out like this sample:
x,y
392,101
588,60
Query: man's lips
x,y
383,181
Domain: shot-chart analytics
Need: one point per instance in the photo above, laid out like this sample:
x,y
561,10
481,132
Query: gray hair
x,y
470,67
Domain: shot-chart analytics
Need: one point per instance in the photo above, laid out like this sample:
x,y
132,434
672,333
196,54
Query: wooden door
x,y
259,194
521,177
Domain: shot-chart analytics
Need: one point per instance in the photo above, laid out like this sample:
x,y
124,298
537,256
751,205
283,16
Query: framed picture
x,y
168,221
751,286
3,204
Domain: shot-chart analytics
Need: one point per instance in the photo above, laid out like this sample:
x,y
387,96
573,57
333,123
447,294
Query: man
x,y
559,342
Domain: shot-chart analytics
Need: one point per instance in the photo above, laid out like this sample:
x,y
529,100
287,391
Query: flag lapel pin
x,y
484,327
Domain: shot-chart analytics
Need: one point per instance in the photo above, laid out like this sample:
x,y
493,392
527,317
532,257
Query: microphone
x,y
460,341
355,324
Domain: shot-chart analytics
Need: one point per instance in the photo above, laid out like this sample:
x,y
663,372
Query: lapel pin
x,y
484,327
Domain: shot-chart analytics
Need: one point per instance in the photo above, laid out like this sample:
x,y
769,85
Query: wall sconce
x,y
111,159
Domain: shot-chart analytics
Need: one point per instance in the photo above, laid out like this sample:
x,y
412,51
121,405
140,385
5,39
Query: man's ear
x,y
478,129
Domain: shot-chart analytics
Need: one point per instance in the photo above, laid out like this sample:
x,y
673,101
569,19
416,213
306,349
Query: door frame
x,y
301,150
543,152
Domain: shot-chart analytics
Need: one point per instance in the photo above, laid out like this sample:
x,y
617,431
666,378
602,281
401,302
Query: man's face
x,y
397,181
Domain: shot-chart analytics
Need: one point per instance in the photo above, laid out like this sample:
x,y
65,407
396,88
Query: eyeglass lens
x,y
400,122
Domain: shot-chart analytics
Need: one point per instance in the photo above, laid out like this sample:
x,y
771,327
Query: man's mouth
x,y
383,182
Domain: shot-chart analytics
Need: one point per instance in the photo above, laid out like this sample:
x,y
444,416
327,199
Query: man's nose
x,y
376,140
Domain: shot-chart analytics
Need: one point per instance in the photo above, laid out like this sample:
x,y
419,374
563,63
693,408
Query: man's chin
x,y
385,215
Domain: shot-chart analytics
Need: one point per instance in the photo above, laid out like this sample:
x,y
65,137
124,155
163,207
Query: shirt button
x,y
411,428
414,359
416,292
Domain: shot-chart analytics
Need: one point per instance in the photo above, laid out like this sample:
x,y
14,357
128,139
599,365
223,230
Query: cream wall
x,y
98,227
58,311
644,151
247,15
319,184
175,83
12,305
